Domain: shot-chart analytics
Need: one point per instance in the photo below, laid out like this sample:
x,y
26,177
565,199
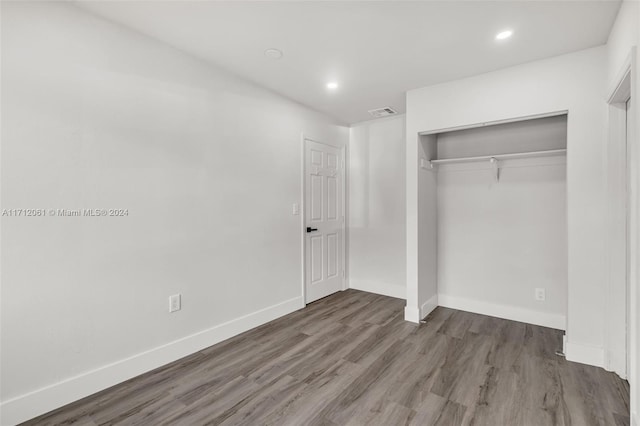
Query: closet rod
x,y
549,153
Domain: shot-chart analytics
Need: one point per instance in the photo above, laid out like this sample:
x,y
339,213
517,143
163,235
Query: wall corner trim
x,y
412,314
585,354
41,401
428,306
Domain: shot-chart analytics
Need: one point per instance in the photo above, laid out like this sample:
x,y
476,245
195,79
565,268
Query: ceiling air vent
x,y
382,112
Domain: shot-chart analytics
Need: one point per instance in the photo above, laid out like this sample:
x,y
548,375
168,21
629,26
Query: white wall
x,y
421,230
377,207
97,116
427,269
541,134
625,36
635,214
499,241
572,82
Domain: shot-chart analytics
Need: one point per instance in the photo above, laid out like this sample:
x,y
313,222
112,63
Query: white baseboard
x,y
38,402
614,364
378,287
428,306
584,354
529,316
412,314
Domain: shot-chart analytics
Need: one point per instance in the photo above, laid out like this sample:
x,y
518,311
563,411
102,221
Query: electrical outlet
x,y
296,209
540,294
174,303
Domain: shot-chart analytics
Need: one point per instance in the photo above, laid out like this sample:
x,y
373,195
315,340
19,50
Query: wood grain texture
x,y
351,359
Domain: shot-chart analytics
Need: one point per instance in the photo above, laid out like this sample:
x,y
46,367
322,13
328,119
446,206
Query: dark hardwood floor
x,y
351,359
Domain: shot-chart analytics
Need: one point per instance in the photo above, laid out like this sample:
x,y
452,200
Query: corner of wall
x,y
415,315
584,354
428,306
412,314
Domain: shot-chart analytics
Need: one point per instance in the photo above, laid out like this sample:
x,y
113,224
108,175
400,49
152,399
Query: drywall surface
x,y
624,34
574,83
635,307
421,230
499,241
377,261
623,39
95,116
549,133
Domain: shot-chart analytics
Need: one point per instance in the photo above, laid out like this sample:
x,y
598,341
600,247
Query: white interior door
x,y
324,220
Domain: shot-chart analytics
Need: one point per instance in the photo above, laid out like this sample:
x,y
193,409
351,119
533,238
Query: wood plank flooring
x,y
351,359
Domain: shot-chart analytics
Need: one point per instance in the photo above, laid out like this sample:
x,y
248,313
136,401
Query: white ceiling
x,y
375,50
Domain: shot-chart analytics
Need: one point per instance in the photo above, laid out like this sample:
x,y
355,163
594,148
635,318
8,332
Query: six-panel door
x,y
324,220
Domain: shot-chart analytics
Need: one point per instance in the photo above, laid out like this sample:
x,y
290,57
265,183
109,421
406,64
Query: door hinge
x,y
343,273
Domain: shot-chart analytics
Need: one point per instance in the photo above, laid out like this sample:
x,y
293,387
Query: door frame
x,y
620,141
303,212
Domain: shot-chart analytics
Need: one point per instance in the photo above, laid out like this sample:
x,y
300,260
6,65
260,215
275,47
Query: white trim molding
x,y
415,315
495,122
428,306
412,314
585,354
513,313
41,401
620,88
621,220
379,287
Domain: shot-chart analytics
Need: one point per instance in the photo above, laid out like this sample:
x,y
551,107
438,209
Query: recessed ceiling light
x,y
502,35
273,53
332,85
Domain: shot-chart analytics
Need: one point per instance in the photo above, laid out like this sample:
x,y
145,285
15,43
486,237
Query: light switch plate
x,y
175,303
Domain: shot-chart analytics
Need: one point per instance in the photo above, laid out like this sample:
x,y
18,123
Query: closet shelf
x,y
549,153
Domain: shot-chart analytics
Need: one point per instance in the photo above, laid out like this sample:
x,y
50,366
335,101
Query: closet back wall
x,y
499,241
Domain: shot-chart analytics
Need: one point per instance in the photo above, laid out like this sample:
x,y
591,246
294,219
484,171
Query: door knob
x,y
310,229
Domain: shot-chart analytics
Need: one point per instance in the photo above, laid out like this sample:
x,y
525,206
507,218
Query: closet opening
x,y
493,197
